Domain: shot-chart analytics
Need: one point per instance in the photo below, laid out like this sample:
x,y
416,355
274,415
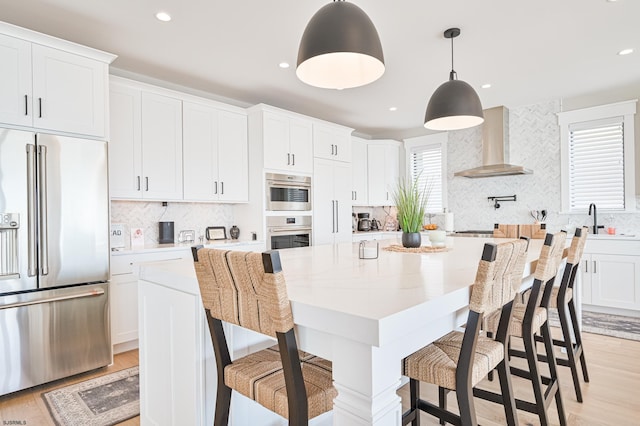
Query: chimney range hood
x,y
495,147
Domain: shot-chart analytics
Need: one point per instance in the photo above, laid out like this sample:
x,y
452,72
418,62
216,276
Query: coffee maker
x,y
364,224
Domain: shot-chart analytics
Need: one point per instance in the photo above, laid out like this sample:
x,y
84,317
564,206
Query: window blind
x,y
426,165
596,164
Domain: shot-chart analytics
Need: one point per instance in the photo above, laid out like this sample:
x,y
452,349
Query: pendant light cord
x,y
452,75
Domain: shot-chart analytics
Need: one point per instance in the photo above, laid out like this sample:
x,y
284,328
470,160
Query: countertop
x,y
150,248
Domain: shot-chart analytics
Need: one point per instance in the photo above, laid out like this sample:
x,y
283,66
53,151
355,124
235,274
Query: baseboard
x,y
611,311
125,347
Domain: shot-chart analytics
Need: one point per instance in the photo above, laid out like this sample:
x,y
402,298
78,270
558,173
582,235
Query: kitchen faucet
x,y
595,218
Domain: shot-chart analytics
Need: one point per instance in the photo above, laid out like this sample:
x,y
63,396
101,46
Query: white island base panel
x,y
363,315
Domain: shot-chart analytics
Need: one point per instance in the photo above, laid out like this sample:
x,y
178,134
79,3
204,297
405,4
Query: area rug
x,y
606,324
101,401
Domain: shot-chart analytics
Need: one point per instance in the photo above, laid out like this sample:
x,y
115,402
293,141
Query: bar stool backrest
x,y
550,257
235,288
501,265
577,246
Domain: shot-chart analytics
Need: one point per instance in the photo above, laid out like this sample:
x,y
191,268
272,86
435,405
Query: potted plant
x,y
411,202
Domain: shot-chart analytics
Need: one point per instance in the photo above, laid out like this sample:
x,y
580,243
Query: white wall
x,y
535,144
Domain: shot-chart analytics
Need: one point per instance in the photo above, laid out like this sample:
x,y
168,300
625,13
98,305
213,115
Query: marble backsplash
x,y
186,216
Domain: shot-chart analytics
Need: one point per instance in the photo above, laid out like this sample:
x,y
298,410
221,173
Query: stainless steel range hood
x,y
495,147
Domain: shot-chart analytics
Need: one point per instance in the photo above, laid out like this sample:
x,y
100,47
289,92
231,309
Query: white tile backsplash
x,y
195,216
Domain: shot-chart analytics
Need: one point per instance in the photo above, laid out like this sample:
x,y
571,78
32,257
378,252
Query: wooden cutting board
x,y
501,230
535,231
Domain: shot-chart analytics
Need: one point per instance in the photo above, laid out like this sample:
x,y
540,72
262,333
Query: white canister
x,y
448,221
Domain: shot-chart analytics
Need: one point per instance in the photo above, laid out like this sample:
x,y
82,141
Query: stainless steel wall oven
x,y
288,192
288,232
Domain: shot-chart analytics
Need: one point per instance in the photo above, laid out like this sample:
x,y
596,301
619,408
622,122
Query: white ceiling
x,y
529,51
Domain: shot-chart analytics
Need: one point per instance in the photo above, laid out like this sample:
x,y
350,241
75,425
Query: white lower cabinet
x,y
124,294
611,274
331,202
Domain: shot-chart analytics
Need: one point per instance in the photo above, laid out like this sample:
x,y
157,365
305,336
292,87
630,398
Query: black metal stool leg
x,y
553,371
532,360
568,345
578,337
442,400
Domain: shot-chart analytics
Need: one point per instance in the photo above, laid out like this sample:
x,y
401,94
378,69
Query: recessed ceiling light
x,y
486,85
284,65
163,16
625,52
393,109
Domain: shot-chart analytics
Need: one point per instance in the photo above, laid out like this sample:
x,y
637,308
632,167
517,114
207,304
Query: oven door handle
x,y
288,230
288,185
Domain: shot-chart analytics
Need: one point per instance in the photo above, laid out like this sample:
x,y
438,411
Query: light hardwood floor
x,y
28,408
612,397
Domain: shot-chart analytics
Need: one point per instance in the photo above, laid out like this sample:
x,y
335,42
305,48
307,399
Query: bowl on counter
x,y
437,238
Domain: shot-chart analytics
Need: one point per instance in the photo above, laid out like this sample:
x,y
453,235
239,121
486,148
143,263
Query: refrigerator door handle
x,y
31,210
38,301
42,185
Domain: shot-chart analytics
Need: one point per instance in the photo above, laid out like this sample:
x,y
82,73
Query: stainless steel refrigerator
x,y
54,258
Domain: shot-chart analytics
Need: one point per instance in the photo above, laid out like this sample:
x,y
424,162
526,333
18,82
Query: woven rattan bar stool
x,y
562,300
528,320
248,289
458,361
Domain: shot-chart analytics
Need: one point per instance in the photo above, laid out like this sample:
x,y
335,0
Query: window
x,y
426,159
598,158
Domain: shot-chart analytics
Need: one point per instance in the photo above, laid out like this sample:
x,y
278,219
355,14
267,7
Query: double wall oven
x,y
288,197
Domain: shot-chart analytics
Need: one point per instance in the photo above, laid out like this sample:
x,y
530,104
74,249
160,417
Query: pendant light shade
x,y
454,105
340,48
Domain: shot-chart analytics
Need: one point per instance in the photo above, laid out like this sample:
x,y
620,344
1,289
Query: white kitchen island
x,y
365,315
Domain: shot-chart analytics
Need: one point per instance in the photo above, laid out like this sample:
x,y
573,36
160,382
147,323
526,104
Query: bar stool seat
x,y
515,326
437,363
260,376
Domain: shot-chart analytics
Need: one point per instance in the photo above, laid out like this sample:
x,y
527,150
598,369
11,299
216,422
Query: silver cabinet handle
x,y
293,159
26,105
215,189
92,293
594,267
146,183
138,183
44,237
333,216
39,107
288,159
332,153
222,188
586,266
337,218
31,210
336,150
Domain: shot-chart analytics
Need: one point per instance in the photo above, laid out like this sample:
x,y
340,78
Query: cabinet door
x,y
324,225
124,308
15,84
376,179
125,144
276,142
301,145
233,157
161,147
615,281
331,143
68,92
359,172
200,150
391,171
342,195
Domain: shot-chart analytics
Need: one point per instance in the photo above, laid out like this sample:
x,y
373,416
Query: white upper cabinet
x,y
51,84
215,154
15,84
288,143
332,142
161,147
359,194
383,159
145,147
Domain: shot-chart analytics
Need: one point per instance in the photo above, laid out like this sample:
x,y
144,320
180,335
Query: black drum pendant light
x,y
454,105
340,48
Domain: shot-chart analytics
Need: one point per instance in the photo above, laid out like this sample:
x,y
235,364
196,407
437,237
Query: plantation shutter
x,y
426,164
596,164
